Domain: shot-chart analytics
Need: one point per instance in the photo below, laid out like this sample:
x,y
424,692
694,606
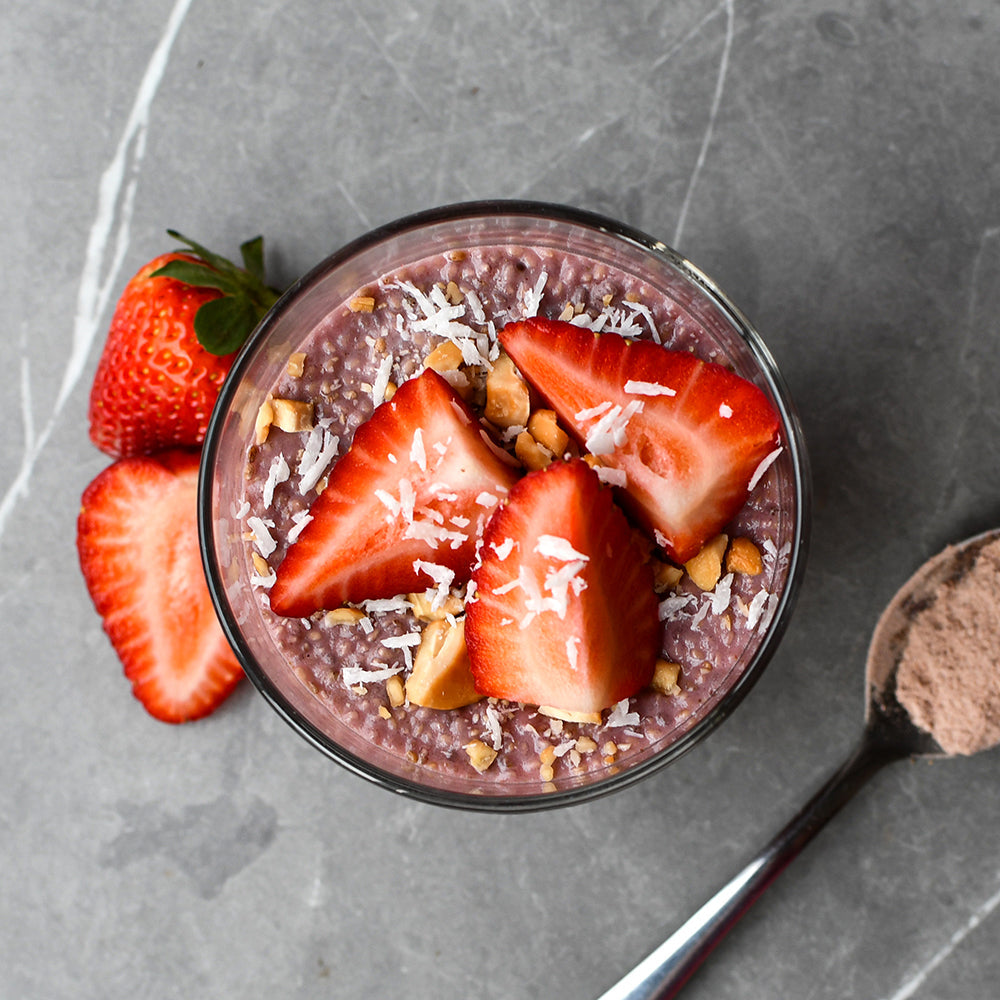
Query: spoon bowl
x,y
889,735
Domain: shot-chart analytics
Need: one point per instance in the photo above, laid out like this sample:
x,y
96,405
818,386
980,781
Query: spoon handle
x,y
664,971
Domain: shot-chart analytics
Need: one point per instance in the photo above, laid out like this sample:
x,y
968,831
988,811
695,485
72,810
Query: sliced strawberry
x,y
688,434
564,613
137,537
404,506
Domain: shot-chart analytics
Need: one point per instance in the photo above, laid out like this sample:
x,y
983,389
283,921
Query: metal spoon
x,y
889,735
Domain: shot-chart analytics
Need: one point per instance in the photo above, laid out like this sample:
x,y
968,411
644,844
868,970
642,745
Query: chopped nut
x,y
507,400
384,712
260,564
452,293
394,691
296,364
744,557
480,755
606,298
292,415
343,616
665,676
265,417
424,610
609,749
666,576
544,428
706,567
593,718
567,313
390,391
586,745
455,255
548,755
361,303
530,453
446,357
546,772
441,676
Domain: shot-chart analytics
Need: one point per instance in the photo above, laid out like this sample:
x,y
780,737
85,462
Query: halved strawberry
x,y
564,613
688,434
137,538
404,506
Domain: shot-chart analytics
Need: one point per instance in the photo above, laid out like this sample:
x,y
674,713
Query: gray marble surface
x,y
835,166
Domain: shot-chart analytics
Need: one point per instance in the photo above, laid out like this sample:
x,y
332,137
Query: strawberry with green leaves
x,y
173,337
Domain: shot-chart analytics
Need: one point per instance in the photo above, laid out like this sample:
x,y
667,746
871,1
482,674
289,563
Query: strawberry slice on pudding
x,y
687,439
564,613
404,507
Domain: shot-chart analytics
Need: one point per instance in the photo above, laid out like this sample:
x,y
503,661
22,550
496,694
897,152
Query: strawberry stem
x,y
222,325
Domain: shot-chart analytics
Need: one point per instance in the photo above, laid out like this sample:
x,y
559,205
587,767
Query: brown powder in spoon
x,y
948,678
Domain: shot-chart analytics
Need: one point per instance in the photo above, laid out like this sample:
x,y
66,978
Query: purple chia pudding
x,y
338,344
346,365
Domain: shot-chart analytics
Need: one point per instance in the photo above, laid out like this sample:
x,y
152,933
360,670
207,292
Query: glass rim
x,y
489,210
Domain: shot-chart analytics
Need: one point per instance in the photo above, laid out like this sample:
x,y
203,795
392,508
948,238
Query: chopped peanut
x,y
362,303
343,616
296,364
586,745
480,755
544,428
453,294
666,576
665,676
568,312
593,718
546,772
548,755
530,453
441,676
260,564
424,610
292,415
744,557
706,567
384,712
265,417
507,401
394,691
446,357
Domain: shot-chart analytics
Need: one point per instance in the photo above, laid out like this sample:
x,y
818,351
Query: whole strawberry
x,y
173,337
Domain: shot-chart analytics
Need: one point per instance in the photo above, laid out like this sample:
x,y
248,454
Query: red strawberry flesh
x,y
137,539
564,614
414,491
688,434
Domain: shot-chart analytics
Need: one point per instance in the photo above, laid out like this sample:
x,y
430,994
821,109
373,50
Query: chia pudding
x,y
353,660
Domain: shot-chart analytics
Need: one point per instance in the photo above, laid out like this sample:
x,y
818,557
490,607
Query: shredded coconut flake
x,y
648,389
277,473
299,520
382,380
554,547
262,536
613,477
763,467
609,432
620,716
725,411
321,447
504,549
353,676
533,296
